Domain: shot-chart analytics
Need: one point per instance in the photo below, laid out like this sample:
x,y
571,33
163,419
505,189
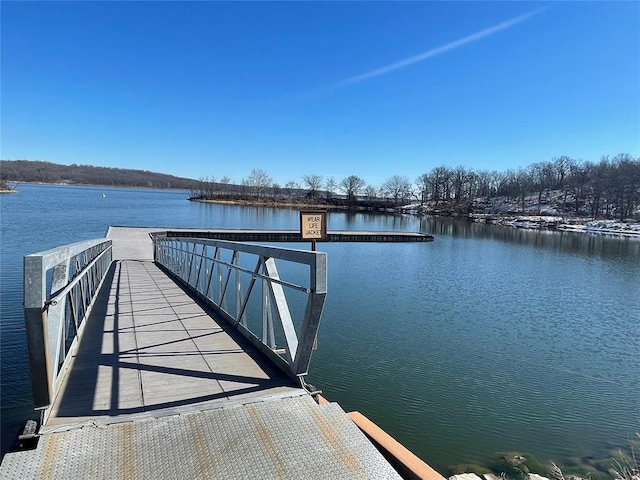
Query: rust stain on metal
x,y
127,465
204,462
50,457
269,444
350,461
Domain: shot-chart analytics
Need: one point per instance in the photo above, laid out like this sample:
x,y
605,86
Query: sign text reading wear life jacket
x,y
313,225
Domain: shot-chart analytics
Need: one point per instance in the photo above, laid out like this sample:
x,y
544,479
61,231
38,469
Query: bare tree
x,y
423,183
625,188
483,184
225,186
575,183
290,188
524,184
258,181
314,182
370,192
460,179
330,186
472,185
351,186
561,165
440,179
397,187
206,187
276,190
543,176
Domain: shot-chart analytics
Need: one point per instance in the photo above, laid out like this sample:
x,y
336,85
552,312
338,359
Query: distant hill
x,y
46,172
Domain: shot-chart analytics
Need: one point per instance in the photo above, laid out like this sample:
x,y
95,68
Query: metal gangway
x,y
162,354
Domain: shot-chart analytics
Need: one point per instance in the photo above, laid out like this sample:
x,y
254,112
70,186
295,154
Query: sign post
x,y
313,226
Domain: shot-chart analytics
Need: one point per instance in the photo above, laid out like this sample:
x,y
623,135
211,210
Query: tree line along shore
x,y
563,186
560,191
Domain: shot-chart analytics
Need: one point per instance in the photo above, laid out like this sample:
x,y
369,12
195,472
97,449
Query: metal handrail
x,y
60,286
199,264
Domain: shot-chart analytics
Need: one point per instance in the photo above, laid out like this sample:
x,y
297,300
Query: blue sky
x,y
372,89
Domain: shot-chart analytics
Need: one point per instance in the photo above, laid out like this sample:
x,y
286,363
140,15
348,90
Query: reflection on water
x,y
568,242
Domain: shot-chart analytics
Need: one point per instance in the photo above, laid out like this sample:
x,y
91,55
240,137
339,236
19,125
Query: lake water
x,y
488,339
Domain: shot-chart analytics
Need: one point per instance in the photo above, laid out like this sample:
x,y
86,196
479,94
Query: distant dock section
x,y
294,236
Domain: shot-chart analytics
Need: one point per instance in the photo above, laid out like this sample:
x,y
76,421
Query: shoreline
x,y
273,204
627,228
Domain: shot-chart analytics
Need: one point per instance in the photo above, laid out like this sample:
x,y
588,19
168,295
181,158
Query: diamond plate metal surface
x,y
287,438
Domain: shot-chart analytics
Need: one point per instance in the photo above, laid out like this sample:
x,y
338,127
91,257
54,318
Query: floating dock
x,y
292,236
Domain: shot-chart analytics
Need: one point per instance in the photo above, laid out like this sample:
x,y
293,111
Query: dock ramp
x,y
146,364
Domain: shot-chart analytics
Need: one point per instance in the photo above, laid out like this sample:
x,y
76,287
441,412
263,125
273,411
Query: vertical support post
x,y
35,318
184,260
223,297
192,261
56,320
204,254
281,307
310,324
218,276
266,314
210,265
312,314
240,316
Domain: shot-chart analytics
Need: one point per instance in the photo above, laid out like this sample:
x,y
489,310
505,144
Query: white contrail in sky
x,y
439,50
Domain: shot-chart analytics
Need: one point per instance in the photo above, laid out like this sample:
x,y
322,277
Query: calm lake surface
x,y
488,339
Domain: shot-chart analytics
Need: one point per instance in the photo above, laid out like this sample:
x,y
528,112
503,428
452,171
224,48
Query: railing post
x,y
266,312
199,266
56,321
240,317
282,310
218,269
35,318
312,314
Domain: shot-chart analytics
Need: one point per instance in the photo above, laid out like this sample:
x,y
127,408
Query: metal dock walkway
x,y
163,384
148,346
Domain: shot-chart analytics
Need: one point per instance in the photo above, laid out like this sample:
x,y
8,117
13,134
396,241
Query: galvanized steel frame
x,y
55,314
189,259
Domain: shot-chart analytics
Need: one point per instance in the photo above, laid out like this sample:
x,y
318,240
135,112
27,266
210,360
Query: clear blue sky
x,y
373,89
